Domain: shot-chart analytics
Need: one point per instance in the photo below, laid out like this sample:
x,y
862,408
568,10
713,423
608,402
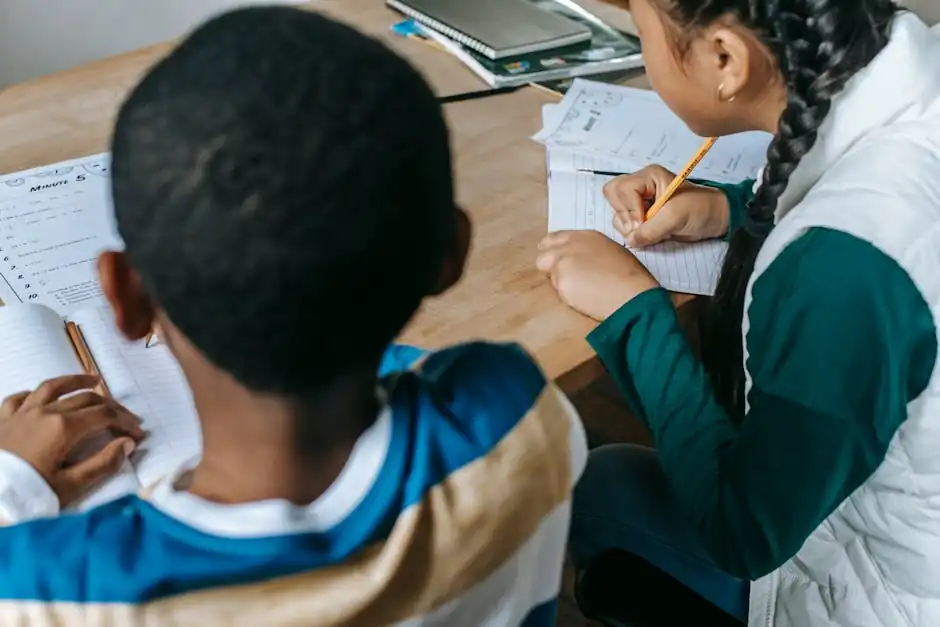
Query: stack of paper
x,y
610,50
618,129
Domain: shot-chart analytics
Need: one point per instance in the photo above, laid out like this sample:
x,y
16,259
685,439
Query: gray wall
x,y
928,9
42,36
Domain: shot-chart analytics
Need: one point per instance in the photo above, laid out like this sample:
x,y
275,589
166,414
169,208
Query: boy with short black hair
x,y
283,187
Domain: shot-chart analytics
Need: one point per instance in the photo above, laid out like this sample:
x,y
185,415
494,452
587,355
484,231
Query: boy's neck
x,y
263,447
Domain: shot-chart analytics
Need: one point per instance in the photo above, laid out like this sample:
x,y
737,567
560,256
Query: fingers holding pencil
x,y
681,178
695,212
631,195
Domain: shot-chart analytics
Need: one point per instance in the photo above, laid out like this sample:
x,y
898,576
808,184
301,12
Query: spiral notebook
x,y
497,29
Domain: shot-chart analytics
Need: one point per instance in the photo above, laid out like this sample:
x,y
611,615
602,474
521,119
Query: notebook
x,y
609,50
148,381
497,29
601,127
576,203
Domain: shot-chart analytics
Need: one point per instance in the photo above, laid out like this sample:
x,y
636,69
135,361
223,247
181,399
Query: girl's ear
x,y
732,54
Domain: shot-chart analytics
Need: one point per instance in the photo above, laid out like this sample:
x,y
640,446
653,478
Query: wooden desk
x,y
500,181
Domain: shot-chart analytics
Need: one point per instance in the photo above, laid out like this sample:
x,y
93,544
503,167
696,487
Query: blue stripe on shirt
x,y
463,402
544,615
399,358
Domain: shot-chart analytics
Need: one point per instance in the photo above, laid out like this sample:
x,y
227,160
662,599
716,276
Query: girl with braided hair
x,y
796,477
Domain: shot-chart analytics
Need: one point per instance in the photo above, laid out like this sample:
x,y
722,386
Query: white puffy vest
x,y
875,174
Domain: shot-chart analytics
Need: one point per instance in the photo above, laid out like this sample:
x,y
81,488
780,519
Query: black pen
x,y
474,95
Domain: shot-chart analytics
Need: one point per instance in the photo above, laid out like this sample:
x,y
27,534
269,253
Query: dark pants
x,y
623,502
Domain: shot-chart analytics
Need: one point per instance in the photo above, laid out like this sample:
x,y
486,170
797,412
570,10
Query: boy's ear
x,y
134,312
456,260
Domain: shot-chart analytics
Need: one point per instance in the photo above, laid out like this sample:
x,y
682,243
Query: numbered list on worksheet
x,y
54,222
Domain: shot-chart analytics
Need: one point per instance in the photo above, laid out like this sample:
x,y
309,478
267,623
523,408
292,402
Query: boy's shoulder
x,y
484,403
487,364
490,384
487,368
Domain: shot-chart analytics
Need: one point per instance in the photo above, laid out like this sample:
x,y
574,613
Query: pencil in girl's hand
x,y
681,178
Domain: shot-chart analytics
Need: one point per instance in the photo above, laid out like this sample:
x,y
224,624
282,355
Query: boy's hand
x,y
42,428
693,214
592,273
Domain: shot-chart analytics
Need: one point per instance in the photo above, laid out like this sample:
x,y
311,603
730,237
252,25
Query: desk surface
x,y
500,181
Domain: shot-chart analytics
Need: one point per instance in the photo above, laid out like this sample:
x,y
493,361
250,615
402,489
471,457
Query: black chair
x,y
619,589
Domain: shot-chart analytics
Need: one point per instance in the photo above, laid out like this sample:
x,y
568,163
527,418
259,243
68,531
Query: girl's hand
x,y
592,273
693,214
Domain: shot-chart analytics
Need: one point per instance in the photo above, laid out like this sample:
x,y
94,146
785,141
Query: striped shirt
x,y
453,509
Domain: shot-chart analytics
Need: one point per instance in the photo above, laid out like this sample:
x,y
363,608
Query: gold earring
x,y
721,95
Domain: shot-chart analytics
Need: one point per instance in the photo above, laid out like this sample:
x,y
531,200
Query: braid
x,y
819,45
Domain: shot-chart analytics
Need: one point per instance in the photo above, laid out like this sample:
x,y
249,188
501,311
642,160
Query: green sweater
x,y
840,340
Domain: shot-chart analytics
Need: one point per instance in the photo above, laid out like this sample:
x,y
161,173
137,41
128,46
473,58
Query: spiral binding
x,y
443,29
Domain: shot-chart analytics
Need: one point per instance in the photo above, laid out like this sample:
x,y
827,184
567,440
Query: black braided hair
x,y
818,45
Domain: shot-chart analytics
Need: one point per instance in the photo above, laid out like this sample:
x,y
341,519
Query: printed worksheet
x,y
576,203
621,129
54,222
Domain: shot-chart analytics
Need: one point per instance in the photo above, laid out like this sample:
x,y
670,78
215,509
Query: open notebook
x,y
148,381
600,127
576,203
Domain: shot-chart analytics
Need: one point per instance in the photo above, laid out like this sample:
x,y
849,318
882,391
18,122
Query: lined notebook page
x,y
33,347
149,382
576,202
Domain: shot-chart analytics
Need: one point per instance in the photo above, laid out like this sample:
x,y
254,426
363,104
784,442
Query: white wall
x,y
42,36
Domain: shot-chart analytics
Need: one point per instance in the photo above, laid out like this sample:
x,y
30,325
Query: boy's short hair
x,y
283,186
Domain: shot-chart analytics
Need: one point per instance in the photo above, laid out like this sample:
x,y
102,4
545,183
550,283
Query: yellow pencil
x,y
680,178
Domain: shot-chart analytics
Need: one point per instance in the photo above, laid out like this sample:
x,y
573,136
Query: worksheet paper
x,y
54,222
621,129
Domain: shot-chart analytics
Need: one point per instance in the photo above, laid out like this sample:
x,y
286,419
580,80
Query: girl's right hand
x,y
694,213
